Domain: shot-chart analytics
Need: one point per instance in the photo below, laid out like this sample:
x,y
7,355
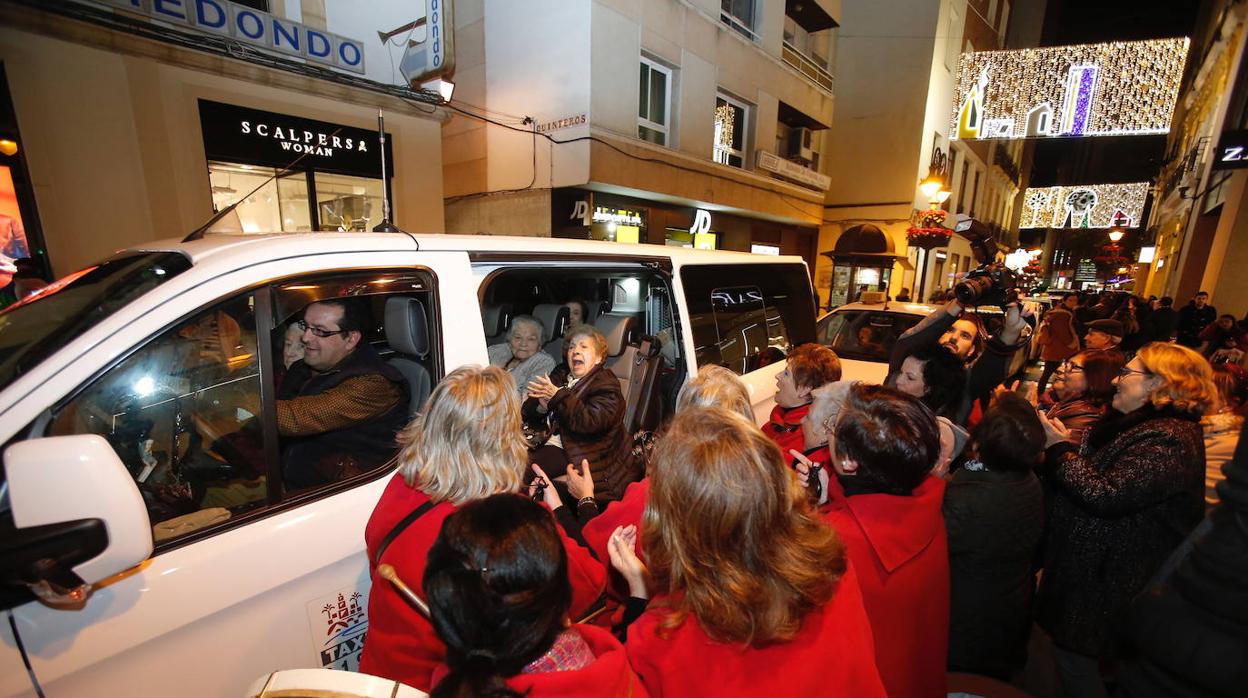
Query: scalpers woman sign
x,y
255,137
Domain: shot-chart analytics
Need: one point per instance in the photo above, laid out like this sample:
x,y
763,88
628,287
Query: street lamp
x,y
933,185
1115,235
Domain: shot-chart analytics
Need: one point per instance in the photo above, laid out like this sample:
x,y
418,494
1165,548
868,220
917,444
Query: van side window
x,y
180,413
184,411
367,369
746,316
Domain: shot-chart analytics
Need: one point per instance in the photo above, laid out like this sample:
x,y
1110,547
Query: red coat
x,y
608,677
785,428
831,655
898,546
401,643
622,513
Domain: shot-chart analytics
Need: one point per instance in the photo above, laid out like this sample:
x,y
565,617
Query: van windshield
x,y
33,329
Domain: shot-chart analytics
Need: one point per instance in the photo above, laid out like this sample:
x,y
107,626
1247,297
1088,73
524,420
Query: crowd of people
x,y
866,540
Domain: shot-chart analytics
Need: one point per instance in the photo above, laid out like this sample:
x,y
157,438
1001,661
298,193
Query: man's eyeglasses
x,y
305,327
1127,370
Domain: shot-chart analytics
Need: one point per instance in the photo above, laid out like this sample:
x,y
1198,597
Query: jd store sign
x,y
255,137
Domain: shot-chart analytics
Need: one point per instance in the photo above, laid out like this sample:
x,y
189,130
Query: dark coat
x,y
1162,325
334,455
994,522
1190,626
1120,507
1191,321
1058,337
1078,415
589,418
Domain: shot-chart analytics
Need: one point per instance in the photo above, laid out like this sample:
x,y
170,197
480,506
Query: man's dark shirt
x,y
1192,321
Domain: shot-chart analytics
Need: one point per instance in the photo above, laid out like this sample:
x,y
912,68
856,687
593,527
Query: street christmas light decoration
x,y
1112,89
1084,206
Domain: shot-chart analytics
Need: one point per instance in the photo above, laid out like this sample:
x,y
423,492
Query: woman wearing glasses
x,y
1121,503
1084,389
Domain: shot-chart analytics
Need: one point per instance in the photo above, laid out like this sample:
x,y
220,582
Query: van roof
x,y
278,245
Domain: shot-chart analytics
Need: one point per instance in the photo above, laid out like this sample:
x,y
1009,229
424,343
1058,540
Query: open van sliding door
x,y
747,317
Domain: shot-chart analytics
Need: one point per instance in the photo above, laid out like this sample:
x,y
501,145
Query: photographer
x,y
987,358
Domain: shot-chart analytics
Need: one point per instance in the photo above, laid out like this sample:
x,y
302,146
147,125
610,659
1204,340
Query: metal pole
x,y
922,293
385,226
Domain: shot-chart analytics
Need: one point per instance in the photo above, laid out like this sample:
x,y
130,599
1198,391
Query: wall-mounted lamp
x,y
934,186
1115,235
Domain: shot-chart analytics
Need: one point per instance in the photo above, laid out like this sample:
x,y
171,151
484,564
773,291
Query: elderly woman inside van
x,y
582,407
522,355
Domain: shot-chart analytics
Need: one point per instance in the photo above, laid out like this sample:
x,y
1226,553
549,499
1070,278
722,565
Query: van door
x,y
747,317
264,578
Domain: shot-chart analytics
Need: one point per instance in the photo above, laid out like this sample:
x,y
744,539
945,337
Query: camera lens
x,y
972,288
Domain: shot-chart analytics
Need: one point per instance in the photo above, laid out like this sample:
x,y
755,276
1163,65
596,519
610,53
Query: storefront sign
x,y
254,27
701,222
254,137
1085,271
433,57
1232,151
792,171
561,123
619,216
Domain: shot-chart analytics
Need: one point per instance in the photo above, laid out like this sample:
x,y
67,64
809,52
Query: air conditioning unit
x,y
800,145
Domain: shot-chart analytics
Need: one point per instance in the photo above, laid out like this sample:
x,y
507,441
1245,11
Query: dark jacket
x,y
994,522
1078,415
340,453
589,417
1162,324
982,375
1120,507
1190,626
1191,321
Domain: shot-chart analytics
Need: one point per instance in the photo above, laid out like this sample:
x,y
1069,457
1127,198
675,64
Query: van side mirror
x,y
77,518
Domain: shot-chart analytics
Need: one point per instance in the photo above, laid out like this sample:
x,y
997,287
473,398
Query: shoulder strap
x,y
399,528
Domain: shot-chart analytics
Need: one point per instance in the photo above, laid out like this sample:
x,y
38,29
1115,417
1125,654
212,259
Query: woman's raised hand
x,y
621,548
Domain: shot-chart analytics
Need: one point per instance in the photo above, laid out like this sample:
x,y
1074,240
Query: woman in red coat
x,y
808,367
886,506
465,446
753,593
499,594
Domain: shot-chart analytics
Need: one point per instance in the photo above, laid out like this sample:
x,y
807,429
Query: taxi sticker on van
x,y
339,622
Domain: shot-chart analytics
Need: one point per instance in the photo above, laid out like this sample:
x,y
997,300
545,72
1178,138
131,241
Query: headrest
x,y
495,318
554,317
618,329
406,326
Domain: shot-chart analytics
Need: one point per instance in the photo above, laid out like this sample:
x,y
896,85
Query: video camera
x,y
991,283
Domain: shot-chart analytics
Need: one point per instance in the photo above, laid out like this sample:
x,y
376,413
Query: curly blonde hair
x,y
729,533
1187,379
466,444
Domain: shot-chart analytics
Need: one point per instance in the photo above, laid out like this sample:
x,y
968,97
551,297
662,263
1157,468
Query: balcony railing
x,y
738,26
804,65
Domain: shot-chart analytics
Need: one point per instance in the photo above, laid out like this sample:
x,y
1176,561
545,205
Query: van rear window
x,y
745,316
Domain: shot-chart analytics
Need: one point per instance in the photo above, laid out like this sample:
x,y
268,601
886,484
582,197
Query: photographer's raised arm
x,y
992,366
927,332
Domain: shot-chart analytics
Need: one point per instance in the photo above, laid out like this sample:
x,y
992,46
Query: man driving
x,y
339,408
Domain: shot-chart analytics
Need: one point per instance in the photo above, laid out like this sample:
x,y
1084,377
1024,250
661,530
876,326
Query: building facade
x,y
679,122
896,89
136,121
1199,221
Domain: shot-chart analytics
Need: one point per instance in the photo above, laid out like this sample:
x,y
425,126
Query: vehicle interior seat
x,y
619,328
637,363
407,331
496,319
554,318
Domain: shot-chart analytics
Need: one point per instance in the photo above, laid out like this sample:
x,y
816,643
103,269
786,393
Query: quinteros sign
x,y
255,27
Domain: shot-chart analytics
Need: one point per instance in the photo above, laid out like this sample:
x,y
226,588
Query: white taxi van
x,y
150,544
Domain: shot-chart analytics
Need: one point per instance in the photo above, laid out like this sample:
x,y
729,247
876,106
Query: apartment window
x,y
730,131
962,187
654,105
739,14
